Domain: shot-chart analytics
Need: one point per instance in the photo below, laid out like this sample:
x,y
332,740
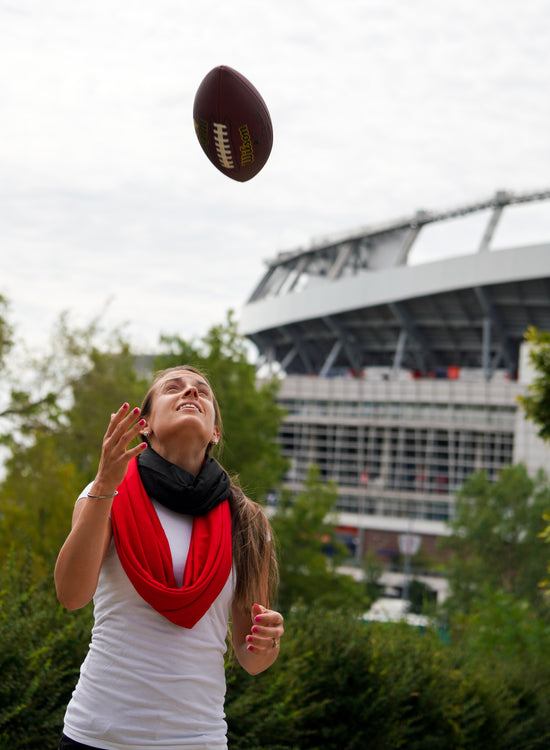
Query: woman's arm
x,y
256,637
80,559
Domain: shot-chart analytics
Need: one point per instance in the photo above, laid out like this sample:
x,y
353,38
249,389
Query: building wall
x,y
398,448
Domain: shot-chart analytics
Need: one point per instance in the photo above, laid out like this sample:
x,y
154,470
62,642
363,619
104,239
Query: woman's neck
x,y
184,457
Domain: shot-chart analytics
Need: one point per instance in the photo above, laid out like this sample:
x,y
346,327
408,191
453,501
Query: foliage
x,y
536,403
495,540
506,628
373,569
251,416
422,598
44,474
42,648
342,685
6,331
21,410
309,552
36,499
110,380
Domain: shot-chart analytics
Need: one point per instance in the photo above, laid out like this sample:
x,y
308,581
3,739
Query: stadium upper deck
x,y
355,302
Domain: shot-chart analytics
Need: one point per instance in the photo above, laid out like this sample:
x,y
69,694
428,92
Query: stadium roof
x,y
354,302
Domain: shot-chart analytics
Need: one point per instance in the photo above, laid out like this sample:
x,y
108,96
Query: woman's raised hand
x,y
115,456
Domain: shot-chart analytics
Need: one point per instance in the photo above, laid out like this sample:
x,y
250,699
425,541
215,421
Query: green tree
x,y
536,403
91,375
507,628
27,400
309,551
110,380
495,539
251,416
6,331
36,500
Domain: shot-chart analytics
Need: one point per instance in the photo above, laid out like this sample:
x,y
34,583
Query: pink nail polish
x,y
141,422
254,629
136,411
258,618
125,405
250,648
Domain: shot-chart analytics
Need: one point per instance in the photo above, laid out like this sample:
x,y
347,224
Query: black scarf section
x,y
179,490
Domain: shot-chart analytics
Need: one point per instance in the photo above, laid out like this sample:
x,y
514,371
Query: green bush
x,y
341,684
338,683
41,649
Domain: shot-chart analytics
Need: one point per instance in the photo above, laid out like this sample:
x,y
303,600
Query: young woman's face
x,y
183,406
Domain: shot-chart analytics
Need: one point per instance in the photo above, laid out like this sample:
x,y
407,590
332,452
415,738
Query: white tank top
x,y
146,683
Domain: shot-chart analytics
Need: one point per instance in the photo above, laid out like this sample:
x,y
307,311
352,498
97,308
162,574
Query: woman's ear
x,y
215,439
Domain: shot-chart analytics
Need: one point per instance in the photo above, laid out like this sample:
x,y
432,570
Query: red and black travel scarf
x,y
142,545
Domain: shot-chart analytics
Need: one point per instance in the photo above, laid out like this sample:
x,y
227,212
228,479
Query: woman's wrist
x,y
100,490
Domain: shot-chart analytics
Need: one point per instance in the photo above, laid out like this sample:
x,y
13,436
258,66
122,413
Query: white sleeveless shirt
x,y
146,683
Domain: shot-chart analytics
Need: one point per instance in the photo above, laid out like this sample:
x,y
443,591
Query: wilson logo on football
x,y
247,152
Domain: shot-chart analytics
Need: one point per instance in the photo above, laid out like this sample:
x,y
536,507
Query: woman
x,y
169,549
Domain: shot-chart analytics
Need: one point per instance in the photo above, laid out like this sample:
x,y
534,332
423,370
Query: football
x,y
232,123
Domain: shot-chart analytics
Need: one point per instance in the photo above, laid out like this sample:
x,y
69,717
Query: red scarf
x,y
145,555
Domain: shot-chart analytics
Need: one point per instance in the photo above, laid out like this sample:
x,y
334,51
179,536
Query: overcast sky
x,y
378,109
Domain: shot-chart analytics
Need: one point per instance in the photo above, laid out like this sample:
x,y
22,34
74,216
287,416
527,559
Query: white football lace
x,y
223,148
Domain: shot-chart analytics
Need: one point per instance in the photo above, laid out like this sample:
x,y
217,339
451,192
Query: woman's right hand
x,y
80,559
115,456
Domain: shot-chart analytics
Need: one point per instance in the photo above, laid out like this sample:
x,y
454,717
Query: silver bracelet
x,y
102,497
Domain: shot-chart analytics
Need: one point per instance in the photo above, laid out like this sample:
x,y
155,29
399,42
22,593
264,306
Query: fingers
x,y
122,419
124,425
115,456
267,629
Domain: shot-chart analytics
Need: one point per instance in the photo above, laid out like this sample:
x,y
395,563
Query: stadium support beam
x,y
410,237
486,347
346,342
490,313
298,270
258,291
399,351
425,352
289,357
329,361
301,351
500,201
342,258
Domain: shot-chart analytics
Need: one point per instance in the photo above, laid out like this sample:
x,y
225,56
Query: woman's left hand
x,y
267,630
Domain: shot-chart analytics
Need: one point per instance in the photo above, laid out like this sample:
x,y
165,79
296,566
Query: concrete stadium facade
x,y
400,380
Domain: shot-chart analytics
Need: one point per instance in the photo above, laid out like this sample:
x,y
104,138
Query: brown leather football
x,y
232,123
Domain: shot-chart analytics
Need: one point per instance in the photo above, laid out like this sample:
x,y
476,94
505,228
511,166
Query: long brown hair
x,y
253,544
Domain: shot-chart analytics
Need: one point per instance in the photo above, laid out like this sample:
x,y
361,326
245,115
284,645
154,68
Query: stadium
x,y
400,379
